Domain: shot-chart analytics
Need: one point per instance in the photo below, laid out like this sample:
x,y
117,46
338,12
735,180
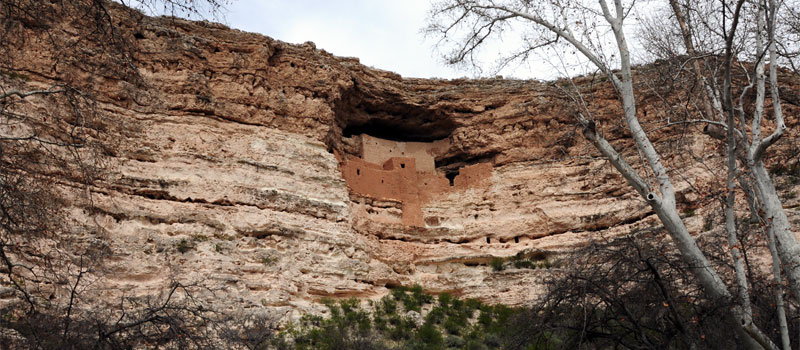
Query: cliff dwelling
x,y
406,172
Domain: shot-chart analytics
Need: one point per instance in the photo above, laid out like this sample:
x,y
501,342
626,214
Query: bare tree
x,y
596,31
54,146
633,291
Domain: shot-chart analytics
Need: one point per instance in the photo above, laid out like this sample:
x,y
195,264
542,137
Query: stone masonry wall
x,y
378,151
409,177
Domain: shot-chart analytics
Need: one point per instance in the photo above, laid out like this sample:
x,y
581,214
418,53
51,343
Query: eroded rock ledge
x,y
270,162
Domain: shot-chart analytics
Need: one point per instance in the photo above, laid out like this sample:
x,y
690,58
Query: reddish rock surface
x,y
407,175
248,148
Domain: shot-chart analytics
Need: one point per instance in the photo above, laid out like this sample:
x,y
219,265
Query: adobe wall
x,y
409,178
472,175
375,181
378,151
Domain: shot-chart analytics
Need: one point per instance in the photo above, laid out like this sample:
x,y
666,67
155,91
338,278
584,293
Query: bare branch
x,y
25,94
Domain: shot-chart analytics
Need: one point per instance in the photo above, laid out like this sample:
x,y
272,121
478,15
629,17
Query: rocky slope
x,y
228,173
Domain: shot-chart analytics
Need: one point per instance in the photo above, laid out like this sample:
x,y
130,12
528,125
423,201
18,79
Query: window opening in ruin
x,y
403,165
358,171
516,239
452,177
488,240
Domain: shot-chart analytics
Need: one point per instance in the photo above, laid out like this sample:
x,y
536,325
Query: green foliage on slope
x,y
396,322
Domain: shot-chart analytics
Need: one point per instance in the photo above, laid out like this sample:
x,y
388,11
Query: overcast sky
x,y
382,33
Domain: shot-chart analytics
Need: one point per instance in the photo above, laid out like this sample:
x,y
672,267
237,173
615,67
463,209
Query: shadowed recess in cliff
x,y
400,129
388,148
385,115
451,163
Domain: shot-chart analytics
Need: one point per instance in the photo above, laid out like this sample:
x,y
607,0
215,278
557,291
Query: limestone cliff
x,y
246,164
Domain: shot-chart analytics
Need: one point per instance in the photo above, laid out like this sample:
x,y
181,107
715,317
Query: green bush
x,y
269,260
184,246
453,325
429,338
559,324
524,264
399,293
496,264
449,325
436,315
485,318
389,305
403,328
412,299
454,342
472,305
444,299
349,327
418,294
475,345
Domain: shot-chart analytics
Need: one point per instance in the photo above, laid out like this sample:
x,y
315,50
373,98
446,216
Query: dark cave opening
x,y
451,164
386,115
389,116
398,130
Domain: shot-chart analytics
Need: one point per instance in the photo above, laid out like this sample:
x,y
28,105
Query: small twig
x,y
23,95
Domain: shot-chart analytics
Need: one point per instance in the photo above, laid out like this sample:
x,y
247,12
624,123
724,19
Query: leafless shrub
x,y
55,144
635,292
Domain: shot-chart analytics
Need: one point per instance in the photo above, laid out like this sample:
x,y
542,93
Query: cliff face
x,y
244,167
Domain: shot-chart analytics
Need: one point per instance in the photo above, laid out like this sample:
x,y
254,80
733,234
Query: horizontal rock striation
x,y
235,168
